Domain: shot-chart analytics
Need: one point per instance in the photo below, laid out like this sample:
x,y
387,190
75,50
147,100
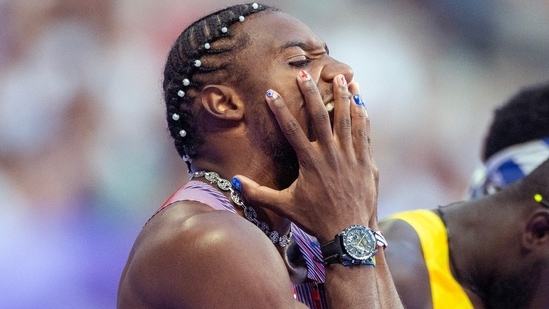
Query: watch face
x,y
359,242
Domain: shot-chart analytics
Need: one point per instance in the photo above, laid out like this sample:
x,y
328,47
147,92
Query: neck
x,y
229,156
254,168
466,248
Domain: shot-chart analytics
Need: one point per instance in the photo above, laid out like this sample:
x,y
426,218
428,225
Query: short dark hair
x,y
204,52
525,117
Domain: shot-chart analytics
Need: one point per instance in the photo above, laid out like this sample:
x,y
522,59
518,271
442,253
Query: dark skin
x,y
410,275
500,247
189,256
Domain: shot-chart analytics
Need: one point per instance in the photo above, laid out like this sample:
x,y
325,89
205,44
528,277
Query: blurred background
x,y
85,158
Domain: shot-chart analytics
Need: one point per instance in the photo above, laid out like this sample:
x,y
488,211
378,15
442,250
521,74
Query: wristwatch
x,y
355,245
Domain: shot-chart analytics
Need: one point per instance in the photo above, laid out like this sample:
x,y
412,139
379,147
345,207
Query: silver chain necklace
x,y
249,212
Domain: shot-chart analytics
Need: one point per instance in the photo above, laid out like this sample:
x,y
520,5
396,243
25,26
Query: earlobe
x,y
537,230
222,102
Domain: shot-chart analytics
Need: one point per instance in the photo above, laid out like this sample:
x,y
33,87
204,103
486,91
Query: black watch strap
x,y
332,251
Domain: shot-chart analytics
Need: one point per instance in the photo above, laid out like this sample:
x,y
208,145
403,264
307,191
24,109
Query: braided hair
x,y
204,53
525,117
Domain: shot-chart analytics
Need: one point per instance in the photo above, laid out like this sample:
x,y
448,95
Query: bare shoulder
x,y
190,256
407,264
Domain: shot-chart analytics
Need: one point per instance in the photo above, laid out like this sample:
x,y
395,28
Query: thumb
x,y
257,195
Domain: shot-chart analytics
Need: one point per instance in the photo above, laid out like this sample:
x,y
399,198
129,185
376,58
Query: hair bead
x,y
197,63
182,133
186,82
255,6
175,117
207,46
181,93
224,30
241,18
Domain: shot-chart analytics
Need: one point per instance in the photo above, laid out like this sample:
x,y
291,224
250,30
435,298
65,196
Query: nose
x,y
334,67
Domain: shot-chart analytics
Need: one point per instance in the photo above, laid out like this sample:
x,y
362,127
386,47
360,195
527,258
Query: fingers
x,y
336,172
317,111
342,117
261,195
351,128
360,125
287,122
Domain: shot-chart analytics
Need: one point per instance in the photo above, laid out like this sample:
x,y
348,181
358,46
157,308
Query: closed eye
x,y
300,63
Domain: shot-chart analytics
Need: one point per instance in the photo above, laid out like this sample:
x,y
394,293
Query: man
x,y
423,264
222,109
491,252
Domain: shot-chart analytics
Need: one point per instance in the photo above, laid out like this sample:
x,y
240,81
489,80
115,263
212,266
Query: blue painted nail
x,y
357,99
272,94
236,184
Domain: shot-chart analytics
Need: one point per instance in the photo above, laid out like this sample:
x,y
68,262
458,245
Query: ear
x,y
222,102
537,230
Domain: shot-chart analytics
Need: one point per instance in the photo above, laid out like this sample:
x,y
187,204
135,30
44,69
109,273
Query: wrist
x,y
354,245
328,232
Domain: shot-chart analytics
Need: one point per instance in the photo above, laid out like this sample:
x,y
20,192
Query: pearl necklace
x,y
249,212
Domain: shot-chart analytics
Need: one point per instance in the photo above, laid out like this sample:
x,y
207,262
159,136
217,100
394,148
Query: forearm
x,y
387,292
388,295
351,287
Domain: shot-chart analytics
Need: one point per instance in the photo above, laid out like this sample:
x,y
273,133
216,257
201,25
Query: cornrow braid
x,y
204,52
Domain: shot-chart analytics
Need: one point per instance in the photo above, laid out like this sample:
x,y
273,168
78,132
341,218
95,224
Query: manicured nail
x,y
271,94
236,184
304,75
357,99
343,81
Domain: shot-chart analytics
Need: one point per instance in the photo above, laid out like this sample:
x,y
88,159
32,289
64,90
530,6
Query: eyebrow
x,y
302,45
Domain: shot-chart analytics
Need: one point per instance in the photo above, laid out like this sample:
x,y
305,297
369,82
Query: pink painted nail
x,y
304,75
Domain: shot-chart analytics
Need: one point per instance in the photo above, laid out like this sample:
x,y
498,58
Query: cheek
x,y
296,105
294,100
284,82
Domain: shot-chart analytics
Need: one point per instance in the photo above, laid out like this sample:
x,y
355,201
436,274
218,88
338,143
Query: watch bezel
x,y
349,240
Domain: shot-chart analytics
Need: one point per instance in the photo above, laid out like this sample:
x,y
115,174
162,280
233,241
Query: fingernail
x,y
236,184
357,99
343,81
304,75
271,94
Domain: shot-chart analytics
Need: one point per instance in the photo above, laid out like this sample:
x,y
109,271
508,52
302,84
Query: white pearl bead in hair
x,y
207,46
186,82
224,29
182,133
175,117
241,18
197,63
255,6
181,93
